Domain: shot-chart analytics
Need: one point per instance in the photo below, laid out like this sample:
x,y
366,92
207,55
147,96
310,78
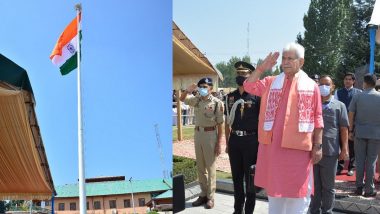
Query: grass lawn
x,y
219,174
223,175
187,132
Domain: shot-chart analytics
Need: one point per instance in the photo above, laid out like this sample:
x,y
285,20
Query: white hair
x,y
299,49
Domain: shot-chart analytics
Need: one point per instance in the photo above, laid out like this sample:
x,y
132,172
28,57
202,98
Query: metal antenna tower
x,y
165,174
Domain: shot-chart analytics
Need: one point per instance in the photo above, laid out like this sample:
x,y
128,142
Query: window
x,y
61,206
73,206
97,205
112,204
127,203
47,203
88,205
141,202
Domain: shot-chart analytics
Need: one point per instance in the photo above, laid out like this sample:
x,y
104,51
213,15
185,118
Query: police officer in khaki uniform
x,y
242,116
208,112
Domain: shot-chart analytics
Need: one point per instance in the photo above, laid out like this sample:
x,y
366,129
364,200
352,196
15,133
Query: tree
x,y
2,207
228,70
276,71
229,73
336,37
327,26
15,203
357,50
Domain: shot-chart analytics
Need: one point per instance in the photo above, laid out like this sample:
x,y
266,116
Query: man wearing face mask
x,y
334,147
242,114
208,112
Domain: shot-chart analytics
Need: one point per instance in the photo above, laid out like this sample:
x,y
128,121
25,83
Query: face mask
x,y
325,90
203,92
240,80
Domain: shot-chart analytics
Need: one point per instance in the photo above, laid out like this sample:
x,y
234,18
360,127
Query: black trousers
x,y
243,154
351,164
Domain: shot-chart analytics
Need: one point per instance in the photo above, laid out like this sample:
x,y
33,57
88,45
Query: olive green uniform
x,y
208,114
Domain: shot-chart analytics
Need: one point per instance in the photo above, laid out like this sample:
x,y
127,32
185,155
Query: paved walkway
x,y
185,148
345,186
223,205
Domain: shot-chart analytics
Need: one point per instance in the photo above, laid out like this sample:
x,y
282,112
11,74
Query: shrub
x,y
186,167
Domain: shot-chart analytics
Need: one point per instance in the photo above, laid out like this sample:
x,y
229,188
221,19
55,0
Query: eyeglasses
x,y
203,86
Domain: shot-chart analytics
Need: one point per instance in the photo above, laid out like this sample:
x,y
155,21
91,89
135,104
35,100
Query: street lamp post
x,y
133,201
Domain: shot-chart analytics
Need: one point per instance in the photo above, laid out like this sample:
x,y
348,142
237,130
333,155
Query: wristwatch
x,y
317,145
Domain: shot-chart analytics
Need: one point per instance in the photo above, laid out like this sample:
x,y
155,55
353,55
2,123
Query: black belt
x,y
241,133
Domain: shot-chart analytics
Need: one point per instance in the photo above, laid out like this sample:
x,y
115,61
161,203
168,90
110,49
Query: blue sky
x,y
219,28
126,81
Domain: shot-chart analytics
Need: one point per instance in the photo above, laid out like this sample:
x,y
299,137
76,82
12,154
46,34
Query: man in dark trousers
x,y
242,114
345,95
334,148
364,116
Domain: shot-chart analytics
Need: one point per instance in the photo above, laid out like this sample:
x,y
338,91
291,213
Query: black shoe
x,y
199,201
359,191
258,189
338,172
370,194
350,172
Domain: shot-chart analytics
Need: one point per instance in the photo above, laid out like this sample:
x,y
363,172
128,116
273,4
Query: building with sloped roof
x,y
110,195
162,202
24,168
189,66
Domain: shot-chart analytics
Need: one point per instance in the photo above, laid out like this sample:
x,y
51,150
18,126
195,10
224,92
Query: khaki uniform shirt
x,y
208,112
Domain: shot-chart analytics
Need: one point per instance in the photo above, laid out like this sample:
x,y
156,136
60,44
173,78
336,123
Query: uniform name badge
x,y
249,103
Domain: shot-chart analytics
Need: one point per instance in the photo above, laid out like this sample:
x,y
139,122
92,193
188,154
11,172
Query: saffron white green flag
x,y
64,54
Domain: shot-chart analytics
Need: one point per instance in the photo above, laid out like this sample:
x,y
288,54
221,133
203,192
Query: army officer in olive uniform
x,y
208,112
242,115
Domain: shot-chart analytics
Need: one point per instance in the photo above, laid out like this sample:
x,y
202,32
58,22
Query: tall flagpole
x,y
82,187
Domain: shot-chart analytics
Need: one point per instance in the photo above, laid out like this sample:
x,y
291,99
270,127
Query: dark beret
x,y
206,80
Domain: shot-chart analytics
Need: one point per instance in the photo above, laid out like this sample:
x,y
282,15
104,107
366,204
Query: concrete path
x,y
185,148
223,205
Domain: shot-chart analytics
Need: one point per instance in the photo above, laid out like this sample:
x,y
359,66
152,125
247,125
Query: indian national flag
x,y
65,51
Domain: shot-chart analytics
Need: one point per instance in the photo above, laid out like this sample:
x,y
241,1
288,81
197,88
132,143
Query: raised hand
x,y
191,88
268,62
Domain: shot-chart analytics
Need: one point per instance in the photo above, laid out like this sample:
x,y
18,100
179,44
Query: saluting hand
x,y
268,62
191,88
